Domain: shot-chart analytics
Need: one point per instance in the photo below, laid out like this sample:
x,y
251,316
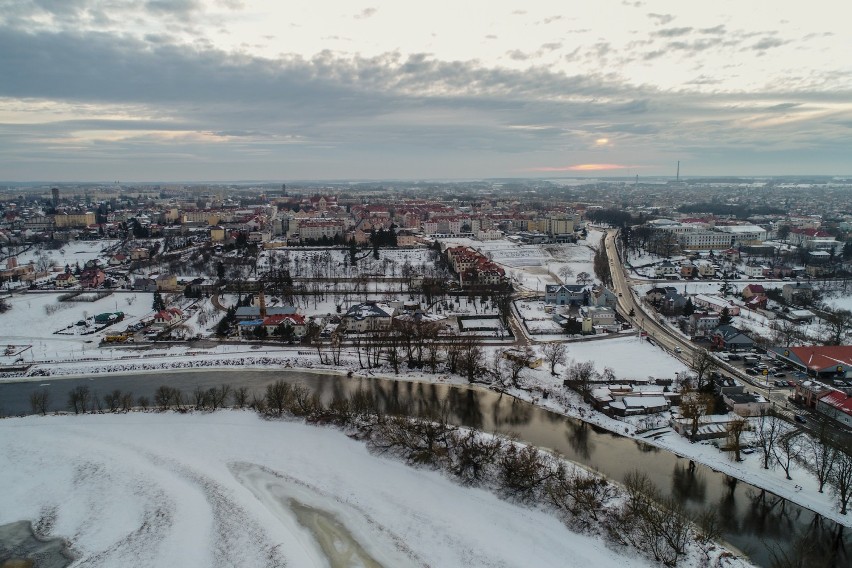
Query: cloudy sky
x,y
137,90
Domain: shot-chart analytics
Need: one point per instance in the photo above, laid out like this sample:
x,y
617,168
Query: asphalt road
x,y
670,340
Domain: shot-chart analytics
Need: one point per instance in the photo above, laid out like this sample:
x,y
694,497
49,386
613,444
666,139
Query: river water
x,y
757,522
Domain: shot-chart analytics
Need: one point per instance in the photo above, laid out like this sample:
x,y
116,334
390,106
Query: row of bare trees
x,y
639,516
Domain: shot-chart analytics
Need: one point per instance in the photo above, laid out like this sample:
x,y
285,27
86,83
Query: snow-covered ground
x,y
628,357
34,318
231,489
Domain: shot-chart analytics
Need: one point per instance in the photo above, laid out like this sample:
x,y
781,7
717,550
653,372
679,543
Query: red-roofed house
x,y
168,317
755,296
65,280
296,321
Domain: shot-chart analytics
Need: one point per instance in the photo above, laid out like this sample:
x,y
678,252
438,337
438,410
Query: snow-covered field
x,y
231,489
628,357
29,322
71,253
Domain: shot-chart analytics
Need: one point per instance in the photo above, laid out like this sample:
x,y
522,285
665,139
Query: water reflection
x,y
754,521
688,483
578,435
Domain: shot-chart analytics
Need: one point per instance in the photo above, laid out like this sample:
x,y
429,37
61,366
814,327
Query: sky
x,y
160,90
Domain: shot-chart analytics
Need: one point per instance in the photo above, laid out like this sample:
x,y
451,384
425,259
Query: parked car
x,y
747,451
791,382
751,371
779,374
801,419
734,357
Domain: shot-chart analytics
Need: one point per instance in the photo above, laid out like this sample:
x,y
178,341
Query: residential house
x,y
603,296
295,321
92,278
168,317
247,313
716,304
634,405
167,283
65,280
145,284
700,324
746,404
565,294
797,292
729,338
368,316
755,296
665,269
599,316
706,269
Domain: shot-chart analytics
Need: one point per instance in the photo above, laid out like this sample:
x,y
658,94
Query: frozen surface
x,y
231,489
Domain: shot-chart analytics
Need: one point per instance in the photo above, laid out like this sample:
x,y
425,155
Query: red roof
x,y
839,400
756,289
294,319
823,358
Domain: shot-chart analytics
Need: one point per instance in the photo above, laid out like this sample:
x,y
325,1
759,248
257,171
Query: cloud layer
x,y
87,96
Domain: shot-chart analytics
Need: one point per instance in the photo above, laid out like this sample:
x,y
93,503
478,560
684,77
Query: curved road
x,y
663,336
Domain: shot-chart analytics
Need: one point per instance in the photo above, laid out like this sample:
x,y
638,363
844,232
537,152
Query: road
x,y
665,337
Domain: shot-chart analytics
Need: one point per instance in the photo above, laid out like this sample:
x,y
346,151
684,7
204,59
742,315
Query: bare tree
x,y
702,363
79,399
470,359
694,405
841,480
565,273
163,397
201,398
471,455
837,325
555,354
523,471
241,397
582,494
820,455
735,429
143,402
278,395
112,400
786,451
768,431
39,400
218,396
580,375
650,523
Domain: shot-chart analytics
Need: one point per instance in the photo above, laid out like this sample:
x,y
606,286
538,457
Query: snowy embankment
x,y
231,489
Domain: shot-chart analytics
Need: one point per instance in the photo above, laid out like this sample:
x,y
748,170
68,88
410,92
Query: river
x,y
757,522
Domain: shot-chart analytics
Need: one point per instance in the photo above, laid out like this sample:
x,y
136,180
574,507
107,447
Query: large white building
x,y
744,234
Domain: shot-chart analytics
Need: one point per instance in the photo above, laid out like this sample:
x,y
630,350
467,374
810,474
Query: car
x,y
677,350
801,419
747,451
791,383
734,357
751,371
779,374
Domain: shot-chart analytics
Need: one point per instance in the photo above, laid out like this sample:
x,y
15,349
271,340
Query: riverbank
x,y
249,491
802,489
